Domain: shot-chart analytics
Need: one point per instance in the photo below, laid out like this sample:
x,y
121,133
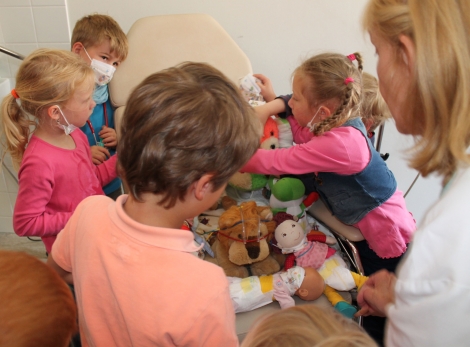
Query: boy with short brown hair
x,y
99,40
185,132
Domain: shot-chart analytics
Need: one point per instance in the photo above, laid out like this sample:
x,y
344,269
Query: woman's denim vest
x,y
351,197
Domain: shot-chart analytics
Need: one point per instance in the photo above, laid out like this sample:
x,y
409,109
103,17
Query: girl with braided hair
x,y
334,157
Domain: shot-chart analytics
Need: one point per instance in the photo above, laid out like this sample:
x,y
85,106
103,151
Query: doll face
x,y
289,234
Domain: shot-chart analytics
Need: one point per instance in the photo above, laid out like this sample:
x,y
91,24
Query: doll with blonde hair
x,y
306,326
52,97
424,80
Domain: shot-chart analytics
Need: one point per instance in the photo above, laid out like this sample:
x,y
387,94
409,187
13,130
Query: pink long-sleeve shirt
x,y
342,150
52,182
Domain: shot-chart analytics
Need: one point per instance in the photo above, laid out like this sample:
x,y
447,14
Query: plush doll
x,y
288,195
241,247
291,238
253,292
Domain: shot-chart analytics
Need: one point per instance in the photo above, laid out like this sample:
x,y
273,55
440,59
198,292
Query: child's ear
x,y
324,112
203,186
53,112
77,47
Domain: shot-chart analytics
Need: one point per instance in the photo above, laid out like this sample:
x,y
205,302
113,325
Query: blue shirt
x,y
97,120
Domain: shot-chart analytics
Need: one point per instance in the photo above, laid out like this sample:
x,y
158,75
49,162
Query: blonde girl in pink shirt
x,y
334,157
52,97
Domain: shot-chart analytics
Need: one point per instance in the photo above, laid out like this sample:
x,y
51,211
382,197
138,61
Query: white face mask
x,y
103,72
66,128
310,124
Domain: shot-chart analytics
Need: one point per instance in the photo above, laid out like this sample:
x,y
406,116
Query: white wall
x,y
276,35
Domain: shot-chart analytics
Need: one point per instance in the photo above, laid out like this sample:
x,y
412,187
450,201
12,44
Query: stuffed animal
x,y
253,292
291,238
288,195
241,247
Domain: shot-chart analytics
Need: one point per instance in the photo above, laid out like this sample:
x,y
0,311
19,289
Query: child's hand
x,y
99,154
267,90
271,108
108,135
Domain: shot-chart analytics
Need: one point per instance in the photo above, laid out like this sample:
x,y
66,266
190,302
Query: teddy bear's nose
x,y
253,250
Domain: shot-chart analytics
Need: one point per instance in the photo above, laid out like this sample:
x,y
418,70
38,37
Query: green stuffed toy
x,y
288,195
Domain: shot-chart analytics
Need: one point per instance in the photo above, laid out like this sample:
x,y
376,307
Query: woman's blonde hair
x,y
326,75
438,102
46,77
374,110
307,326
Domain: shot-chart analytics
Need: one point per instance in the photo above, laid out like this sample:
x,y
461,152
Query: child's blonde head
x,y
307,326
46,77
438,106
333,79
94,29
374,110
180,124
37,307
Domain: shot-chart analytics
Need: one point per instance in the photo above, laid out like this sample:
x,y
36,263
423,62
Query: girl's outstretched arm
x,y
267,110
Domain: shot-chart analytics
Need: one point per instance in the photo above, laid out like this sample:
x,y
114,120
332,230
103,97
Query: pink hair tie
x,y
15,94
351,57
348,80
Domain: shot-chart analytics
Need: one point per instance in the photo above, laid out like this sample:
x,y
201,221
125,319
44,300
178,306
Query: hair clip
x,y
351,57
15,94
348,80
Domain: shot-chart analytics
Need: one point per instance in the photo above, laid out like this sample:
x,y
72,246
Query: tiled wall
x,y
8,191
26,25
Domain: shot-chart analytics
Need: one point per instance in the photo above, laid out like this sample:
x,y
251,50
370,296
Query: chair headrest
x,y
159,42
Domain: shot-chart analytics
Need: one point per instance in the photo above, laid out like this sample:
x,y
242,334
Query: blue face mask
x,y
100,94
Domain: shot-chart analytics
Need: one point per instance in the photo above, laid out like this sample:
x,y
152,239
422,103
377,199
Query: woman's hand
x,y
377,294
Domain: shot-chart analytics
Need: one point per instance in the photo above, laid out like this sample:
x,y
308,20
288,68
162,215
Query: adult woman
x,y
424,76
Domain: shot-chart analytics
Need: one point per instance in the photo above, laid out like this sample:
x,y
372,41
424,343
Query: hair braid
x,y
339,116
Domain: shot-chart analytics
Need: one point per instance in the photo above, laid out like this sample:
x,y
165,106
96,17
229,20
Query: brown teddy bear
x,y
243,240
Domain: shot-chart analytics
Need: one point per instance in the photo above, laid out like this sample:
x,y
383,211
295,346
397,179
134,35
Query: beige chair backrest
x,y
159,42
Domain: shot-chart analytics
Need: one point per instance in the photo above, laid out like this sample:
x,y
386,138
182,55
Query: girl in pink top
x,y
337,160
52,97
333,150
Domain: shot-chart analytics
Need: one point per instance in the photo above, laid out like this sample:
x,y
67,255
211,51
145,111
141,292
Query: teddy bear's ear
x,y
229,217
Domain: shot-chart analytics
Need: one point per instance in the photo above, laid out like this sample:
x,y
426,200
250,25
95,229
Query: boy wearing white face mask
x,y
99,41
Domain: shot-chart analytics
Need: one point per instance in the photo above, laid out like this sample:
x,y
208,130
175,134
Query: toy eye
x,y
284,235
293,225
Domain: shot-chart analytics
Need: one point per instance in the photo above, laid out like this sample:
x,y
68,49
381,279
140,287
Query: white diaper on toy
x,y
336,273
